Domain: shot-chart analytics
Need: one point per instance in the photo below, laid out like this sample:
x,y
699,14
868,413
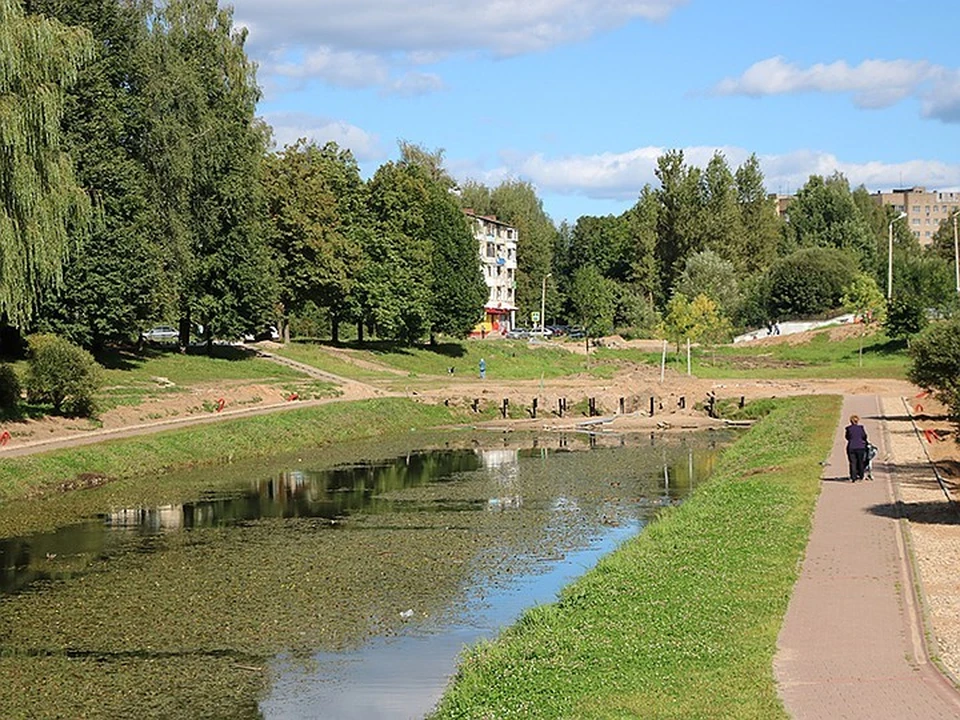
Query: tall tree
x,y
761,226
205,150
824,214
642,222
395,285
603,242
316,204
42,206
112,284
458,291
680,226
723,230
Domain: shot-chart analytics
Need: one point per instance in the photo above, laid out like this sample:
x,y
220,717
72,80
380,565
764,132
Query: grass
x,y
682,621
505,360
819,358
130,378
224,441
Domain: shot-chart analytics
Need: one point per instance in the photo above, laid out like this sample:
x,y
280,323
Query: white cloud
x,y
873,83
621,176
341,41
289,127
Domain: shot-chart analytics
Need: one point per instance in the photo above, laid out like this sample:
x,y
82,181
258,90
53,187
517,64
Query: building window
x,y
916,208
491,250
916,221
927,234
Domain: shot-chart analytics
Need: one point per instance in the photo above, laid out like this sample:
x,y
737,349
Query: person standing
x,y
483,369
856,436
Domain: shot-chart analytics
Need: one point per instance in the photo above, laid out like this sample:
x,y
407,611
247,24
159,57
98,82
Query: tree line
x,y
138,186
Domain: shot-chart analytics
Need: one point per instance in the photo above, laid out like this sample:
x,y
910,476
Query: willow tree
x,y
41,204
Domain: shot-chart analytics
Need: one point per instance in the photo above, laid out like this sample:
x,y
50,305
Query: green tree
x,y
905,318
458,292
825,215
935,362
723,230
603,242
62,374
698,321
926,278
113,283
761,226
204,148
642,221
593,300
316,205
809,282
42,206
706,273
395,285
680,220
863,298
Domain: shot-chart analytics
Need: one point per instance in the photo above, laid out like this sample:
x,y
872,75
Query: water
x,y
350,587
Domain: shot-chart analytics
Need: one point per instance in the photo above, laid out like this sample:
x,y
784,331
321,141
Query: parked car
x,y
161,332
518,333
540,334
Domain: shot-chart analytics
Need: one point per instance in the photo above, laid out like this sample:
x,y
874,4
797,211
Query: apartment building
x,y
925,209
497,243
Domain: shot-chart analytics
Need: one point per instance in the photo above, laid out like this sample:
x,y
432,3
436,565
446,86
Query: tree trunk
x,y
359,331
335,328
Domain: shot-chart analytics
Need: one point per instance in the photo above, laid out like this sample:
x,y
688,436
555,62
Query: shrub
x,y
809,281
9,388
61,374
935,366
905,318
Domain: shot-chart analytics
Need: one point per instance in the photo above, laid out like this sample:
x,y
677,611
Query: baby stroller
x,y
871,454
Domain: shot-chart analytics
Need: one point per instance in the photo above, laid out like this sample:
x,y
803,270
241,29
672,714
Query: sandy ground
x,y
919,457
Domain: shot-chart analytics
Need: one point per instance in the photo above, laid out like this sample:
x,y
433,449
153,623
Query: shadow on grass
x,y
385,347
24,411
127,358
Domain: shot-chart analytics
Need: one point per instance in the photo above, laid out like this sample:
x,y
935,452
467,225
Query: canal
x,y
338,584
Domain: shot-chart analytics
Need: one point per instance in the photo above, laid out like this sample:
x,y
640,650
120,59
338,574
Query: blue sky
x,y
580,97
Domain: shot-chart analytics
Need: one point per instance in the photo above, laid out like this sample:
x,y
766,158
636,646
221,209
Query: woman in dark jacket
x,y
856,437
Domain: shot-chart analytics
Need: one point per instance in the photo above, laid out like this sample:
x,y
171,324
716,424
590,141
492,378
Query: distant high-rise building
x,y
498,262
925,209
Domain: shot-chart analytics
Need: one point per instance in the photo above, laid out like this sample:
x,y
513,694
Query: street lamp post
x,y
890,254
543,303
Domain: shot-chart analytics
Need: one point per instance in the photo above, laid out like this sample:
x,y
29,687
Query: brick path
x,y
852,642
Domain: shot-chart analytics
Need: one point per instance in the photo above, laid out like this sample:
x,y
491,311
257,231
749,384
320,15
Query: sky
x,y
580,97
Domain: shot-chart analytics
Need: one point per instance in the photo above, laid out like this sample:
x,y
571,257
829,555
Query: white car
x,y
161,332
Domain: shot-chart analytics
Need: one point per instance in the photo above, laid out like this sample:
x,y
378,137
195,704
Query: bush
x,y
905,318
61,374
935,362
9,388
809,281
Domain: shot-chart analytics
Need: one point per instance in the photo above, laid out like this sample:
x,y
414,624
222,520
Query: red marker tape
x,y
4,437
220,403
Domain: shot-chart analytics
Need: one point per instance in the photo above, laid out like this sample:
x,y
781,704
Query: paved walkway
x,y
852,642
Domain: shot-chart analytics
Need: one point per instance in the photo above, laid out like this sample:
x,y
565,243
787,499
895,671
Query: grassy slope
x,y
820,358
505,360
223,441
682,621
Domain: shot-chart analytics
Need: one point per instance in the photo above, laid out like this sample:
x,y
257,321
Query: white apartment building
x,y
498,261
925,209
